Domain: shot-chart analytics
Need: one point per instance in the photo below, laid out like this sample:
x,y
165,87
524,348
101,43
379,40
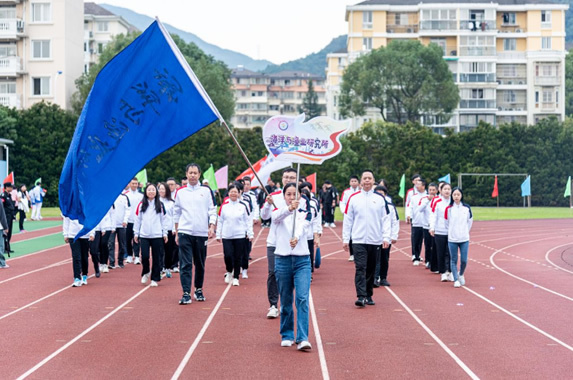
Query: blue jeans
x,y
293,275
454,257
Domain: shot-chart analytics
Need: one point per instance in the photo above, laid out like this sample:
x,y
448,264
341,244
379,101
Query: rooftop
x,y
418,2
96,10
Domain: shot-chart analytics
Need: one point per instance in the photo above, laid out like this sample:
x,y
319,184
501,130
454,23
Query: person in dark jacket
x,y
4,224
10,211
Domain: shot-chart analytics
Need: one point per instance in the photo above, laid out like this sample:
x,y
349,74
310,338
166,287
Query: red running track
x,y
510,321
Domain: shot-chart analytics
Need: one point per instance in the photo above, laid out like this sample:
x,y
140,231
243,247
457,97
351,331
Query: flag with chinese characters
x,y
144,101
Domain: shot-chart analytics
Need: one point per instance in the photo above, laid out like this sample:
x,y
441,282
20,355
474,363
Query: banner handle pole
x,y
296,187
244,156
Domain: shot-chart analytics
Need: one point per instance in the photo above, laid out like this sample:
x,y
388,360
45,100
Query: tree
x,y
404,81
310,105
569,83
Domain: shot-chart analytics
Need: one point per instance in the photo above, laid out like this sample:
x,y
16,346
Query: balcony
x,y
478,25
548,81
477,104
511,55
511,106
511,28
438,25
10,100
545,106
475,78
402,29
476,51
11,28
10,66
512,81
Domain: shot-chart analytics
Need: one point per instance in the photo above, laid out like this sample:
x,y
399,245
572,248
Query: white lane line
x,y
59,263
491,259
321,355
207,323
36,301
552,263
64,347
462,365
520,319
35,253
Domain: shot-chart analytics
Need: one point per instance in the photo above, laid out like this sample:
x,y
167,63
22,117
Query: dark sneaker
x,y
376,284
370,301
186,299
199,295
360,302
384,282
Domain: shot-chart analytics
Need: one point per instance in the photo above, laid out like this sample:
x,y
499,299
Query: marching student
x,y
383,259
173,186
106,226
79,248
418,203
368,221
274,201
459,219
135,196
10,209
4,224
439,230
353,189
195,216
23,206
255,214
314,228
168,252
122,210
430,255
409,194
292,266
150,227
234,228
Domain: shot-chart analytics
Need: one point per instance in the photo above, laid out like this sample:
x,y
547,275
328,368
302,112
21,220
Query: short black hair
x,y
354,177
305,184
191,165
246,178
416,176
433,184
171,179
423,182
381,188
289,170
328,182
368,171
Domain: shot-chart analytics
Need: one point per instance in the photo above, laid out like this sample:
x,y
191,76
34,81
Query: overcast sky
x,y
278,31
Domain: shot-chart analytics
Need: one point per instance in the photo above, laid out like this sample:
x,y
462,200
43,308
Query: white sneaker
x,y
105,269
444,277
333,226
244,274
145,278
351,258
273,312
462,280
175,270
137,261
428,265
457,284
228,277
153,284
450,277
5,266
129,260
416,263
413,257
286,343
304,346
235,282
77,283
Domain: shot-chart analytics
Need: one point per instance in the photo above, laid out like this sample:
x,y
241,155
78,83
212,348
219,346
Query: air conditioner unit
x,y
518,30
410,30
520,82
499,108
390,30
509,82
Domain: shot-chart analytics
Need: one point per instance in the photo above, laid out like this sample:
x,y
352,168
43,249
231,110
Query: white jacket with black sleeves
x,y
437,216
367,219
234,221
394,218
459,220
255,212
195,209
150,224
283,220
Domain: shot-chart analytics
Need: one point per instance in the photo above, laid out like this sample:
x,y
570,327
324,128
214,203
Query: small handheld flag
x,y
526,187
445,179
568,188
402,191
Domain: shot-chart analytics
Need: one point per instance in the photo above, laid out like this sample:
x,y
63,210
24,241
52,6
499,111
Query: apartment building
x,y
100,26
260,96
40,51
507,56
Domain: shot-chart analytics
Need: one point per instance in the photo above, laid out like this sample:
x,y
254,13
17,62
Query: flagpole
x,y
244,156
296,187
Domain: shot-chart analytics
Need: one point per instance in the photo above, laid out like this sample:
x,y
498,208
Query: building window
x,y
7,50
557,97
509,18
545,43
41,12
7,88
509,96
536,97
509,44
41,49
546,19
547,96
367,44
367,20
7,13
41,86
102,26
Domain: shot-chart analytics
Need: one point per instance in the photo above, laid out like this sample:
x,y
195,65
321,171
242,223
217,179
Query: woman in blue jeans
x,y
292,269
459,218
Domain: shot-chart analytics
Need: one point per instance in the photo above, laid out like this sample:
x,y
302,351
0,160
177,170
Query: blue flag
x,y
144,101
445,178
526,187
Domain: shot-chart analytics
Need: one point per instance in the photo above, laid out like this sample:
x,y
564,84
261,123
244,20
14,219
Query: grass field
x,y
505,213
